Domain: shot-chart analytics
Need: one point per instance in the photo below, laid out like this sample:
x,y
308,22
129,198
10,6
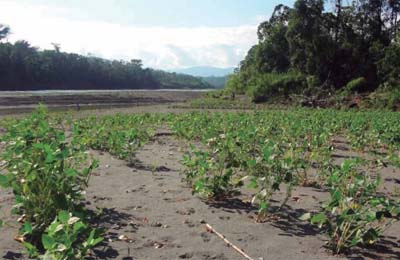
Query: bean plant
x,y
271,150
46,174
262,152
355,213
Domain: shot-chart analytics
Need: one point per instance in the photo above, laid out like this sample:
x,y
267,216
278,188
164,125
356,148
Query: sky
x,y
165,34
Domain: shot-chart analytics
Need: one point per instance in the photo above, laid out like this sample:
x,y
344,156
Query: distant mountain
x,y
204,71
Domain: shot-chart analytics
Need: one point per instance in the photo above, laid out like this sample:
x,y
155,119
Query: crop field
x,y
275,184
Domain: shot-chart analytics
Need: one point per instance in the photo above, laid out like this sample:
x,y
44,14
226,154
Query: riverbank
x,y
21,101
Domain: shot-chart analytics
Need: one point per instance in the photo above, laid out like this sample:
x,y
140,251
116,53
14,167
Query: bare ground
x,y
23,102
149,213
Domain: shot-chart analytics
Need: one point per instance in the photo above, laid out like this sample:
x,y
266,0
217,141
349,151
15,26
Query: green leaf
x,y
78,226
91,241
28,228
49,158
63,216
336,196
374,202
305,217
4,181
319,218
357,238
371,216
18,199
38,146
396,211
96,241
252,163
263,206
32,251
1,223
48,242
252,184
91,236
199,186
71,172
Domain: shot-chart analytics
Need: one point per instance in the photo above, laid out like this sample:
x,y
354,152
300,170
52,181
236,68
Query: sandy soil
x,y
149,213
20,102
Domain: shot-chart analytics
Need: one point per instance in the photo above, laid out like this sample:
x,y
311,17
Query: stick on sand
x,y
240,251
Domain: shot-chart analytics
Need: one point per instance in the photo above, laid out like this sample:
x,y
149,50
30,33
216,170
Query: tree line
x,y
320,46
24,67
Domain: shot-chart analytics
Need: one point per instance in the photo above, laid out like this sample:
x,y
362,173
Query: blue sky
x,y
166,34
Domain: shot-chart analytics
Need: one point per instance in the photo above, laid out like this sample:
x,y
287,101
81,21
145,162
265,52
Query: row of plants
x,y
120,135
263,151
267,151
273,150
48,177
246,146
217,103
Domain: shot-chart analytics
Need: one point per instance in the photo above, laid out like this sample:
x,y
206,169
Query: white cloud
x,y
159,47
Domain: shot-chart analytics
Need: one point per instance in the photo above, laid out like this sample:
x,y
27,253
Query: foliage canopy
x,y
331,41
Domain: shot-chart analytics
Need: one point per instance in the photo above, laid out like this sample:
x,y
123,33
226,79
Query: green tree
x,y
335,45
23,67
4,31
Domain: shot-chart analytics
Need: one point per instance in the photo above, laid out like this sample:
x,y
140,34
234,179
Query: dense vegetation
x,y
323,48
23,67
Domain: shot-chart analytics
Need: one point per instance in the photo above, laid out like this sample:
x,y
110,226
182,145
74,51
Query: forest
x,y
24,67
322,48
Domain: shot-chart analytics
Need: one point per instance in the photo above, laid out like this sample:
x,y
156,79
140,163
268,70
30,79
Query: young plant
x,y
355,213
46,173
67,237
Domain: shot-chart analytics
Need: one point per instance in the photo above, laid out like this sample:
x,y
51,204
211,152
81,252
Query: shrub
x,y
394,99
313,82
276,85
233,84
356,85
386,97
389,65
